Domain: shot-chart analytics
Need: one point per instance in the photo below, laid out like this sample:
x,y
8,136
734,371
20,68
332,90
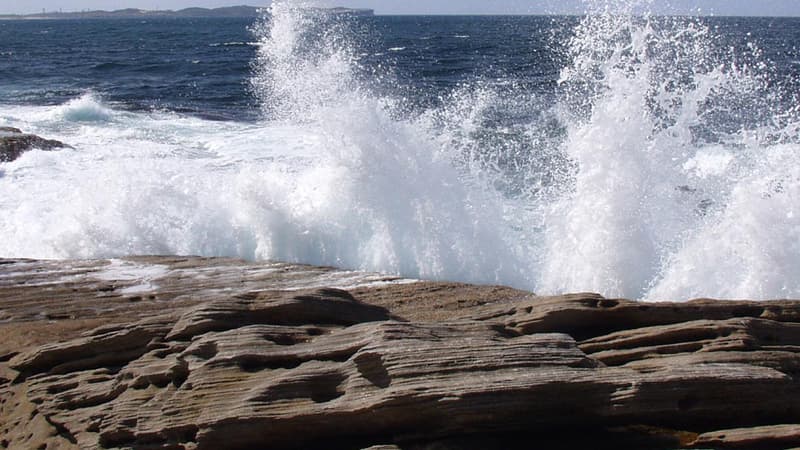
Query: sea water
x,y
631,155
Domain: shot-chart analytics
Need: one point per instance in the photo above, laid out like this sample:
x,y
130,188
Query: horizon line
x,y
409,14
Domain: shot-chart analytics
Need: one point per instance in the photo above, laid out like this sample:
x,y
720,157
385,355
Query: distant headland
x,y
132,13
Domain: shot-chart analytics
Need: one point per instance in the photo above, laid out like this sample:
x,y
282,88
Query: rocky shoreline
x,y
13,143
209,353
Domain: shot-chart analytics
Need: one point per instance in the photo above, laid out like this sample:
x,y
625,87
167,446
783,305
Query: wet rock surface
x,y
204,353
13,143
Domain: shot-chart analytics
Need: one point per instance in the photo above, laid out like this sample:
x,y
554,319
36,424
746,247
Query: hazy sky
x,y
718,7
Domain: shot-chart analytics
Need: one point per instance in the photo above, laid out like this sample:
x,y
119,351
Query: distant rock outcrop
x,y
219,353
13,143
194,13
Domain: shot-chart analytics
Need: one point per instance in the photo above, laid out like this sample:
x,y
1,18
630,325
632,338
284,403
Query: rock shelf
x,y
210,353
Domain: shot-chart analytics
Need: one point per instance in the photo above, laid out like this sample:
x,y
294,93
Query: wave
x,y
87,108
678,150
234,44
666,168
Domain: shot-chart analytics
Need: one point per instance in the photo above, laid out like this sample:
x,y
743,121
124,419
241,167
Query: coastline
x,y
192,13
188,352
132,351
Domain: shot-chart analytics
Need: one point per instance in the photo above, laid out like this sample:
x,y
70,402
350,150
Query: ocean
x,y
655,158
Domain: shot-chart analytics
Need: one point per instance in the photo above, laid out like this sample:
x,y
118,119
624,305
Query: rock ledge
x,y
199,353
13,143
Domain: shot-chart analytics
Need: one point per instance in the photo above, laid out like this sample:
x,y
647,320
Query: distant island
x,y
132,13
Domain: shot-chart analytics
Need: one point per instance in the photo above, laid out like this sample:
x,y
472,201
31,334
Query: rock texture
x,y
13,143
199,353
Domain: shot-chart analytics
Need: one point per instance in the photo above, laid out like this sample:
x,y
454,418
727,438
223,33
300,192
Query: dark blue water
x,y
203,66
199,66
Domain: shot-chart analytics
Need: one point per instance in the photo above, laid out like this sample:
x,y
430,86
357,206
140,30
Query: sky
x,y
716,7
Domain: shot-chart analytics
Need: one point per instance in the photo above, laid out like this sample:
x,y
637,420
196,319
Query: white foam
x,y
119,270
654,211
84,109
145,275
643,202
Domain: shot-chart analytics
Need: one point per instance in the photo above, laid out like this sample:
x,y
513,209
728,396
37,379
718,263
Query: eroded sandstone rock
x,y
267,367
773,436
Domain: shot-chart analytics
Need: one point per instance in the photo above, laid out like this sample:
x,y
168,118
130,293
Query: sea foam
x,y
665,169
86,108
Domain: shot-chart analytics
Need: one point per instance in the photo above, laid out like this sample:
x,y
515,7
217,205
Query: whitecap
x,y
87,108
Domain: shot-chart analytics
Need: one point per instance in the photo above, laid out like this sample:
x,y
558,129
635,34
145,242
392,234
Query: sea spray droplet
x,y
304,62
396,202
87,108
649,101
